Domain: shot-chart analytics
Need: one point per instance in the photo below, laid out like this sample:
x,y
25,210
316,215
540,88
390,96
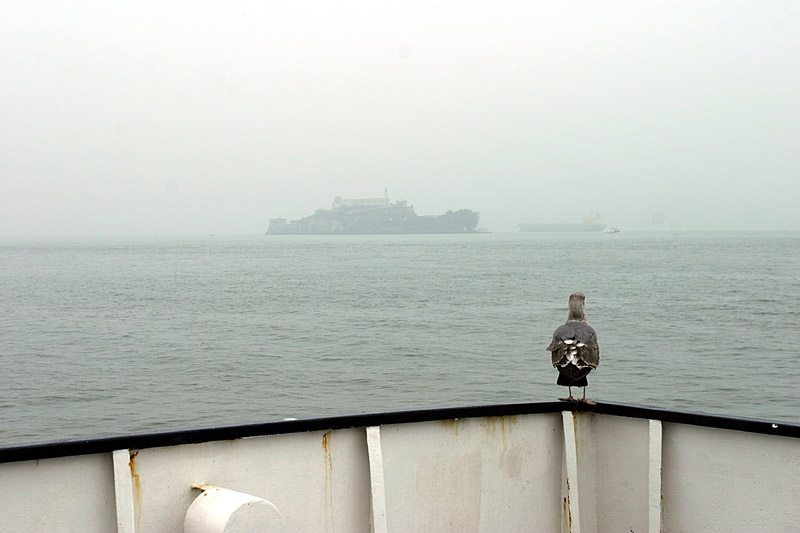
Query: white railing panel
x,y
475,474
613,466
722,480
59,494
319,480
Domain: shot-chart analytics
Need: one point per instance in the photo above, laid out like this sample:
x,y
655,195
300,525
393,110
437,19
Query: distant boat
x,y
594,223
612,229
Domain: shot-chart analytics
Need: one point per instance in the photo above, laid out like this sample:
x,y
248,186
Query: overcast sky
x,y
186,117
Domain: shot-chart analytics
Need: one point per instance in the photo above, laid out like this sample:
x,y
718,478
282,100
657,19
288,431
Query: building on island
x,y
362,202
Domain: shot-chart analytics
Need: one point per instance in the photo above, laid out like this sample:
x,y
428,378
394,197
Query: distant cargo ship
x,y
374,216
589,224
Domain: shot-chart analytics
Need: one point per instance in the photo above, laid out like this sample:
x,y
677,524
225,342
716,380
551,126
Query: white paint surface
x,y
62,494
123,491
479,474
378,492
654,475
719,480
571,457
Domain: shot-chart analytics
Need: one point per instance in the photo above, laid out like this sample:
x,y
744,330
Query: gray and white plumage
x,y
574,349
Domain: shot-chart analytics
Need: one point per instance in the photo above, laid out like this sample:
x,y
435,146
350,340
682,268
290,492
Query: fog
x,y
142,118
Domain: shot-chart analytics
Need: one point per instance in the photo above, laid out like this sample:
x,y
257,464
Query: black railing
x,y
207,434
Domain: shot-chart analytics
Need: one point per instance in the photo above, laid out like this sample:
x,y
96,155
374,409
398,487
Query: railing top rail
x,y
232,432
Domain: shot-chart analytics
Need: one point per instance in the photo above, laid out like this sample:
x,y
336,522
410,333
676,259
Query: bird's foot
x,y
570,399
587,401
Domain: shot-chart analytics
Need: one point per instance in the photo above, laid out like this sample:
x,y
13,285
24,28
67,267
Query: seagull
x,y
574,350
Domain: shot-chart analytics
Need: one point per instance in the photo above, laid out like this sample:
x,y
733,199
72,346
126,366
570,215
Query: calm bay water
x,y
103,336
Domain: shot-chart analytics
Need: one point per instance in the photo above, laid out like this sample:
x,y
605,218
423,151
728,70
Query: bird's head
x,y
577,308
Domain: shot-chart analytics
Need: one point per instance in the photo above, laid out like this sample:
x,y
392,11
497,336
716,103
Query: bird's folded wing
x,y
589,354
578,336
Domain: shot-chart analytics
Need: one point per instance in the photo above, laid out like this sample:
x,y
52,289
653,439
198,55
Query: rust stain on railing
x,y
328,459
567,510
137,487
503,423
452,424
326,450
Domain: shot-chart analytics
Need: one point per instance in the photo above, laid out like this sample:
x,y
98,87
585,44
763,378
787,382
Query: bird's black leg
x,y
570,399
584,400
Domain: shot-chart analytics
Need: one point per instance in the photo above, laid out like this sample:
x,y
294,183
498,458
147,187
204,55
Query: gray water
x,y
106,336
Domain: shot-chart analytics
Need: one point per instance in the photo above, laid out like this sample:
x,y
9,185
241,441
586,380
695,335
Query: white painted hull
x,y
524,467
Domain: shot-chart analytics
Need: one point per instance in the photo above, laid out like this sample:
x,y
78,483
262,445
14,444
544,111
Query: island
x,y
374,216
